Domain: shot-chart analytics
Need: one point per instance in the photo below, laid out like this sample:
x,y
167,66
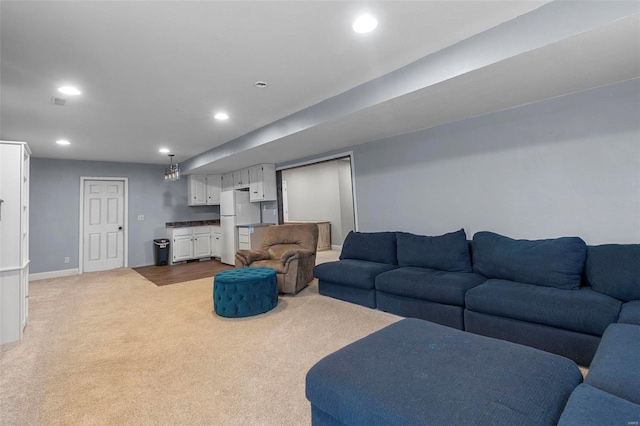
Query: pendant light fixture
x,y
172,172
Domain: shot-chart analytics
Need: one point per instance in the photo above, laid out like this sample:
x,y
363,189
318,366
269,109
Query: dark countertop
x,y
215,222
255,225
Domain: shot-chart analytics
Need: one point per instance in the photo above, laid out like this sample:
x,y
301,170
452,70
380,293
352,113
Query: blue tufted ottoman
x,y
243,292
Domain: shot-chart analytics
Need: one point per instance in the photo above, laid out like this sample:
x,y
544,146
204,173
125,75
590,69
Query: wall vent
x,y
58,101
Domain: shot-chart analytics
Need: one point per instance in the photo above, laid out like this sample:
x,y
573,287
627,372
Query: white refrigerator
x,y
235,209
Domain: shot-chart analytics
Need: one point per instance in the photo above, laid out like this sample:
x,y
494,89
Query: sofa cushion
x,y
351,273
448,252
372,246
588,406
630,313
584,310
554,263
616,366
415,372
614,269
428,284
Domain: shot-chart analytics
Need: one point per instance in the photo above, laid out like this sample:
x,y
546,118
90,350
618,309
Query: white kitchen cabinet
x,y
197,190
241,179
14,240
216,242
262,183
195,242
214,185
204,190
227,181
181,248
201,242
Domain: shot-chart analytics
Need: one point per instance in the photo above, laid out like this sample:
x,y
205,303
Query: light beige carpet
x,y
113,348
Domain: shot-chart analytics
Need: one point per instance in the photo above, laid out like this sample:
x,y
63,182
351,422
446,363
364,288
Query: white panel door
x,y
103,223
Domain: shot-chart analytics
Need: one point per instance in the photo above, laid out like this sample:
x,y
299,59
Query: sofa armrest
x,y
247,257
291,255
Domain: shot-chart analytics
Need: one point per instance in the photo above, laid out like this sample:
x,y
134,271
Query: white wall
x,y
317,192
565,166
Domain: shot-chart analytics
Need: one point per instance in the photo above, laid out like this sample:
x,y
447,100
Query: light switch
x,y
140,217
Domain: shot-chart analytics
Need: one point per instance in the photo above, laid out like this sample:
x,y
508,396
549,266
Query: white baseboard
x,y
333,247
53,274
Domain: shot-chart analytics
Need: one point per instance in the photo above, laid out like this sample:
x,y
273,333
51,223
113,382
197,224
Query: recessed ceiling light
x,y
164,150
69,90
364,24
221,116
261,84
63,142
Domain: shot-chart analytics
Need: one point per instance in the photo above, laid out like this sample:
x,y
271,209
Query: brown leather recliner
x,y
290,250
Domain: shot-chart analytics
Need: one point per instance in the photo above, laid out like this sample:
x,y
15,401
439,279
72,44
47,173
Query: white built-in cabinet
x,y
214,186
195,242
262,183
204,190
216,241
14,240
241,179
259,179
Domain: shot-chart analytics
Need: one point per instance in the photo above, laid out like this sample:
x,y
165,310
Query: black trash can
x,y
161,251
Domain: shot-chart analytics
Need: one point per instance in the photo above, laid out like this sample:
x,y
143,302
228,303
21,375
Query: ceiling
x,y
154,73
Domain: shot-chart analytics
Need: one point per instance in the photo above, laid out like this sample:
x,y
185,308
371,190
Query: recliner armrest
x,y
290,255
247,257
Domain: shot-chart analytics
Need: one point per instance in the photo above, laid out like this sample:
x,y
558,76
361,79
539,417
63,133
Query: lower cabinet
x,y
194,243
201,242
216,242
181,247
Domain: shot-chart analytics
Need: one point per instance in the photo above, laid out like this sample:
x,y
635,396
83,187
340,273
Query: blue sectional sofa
x,y
558,295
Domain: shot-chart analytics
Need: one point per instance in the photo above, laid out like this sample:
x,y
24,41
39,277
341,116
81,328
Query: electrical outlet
x,y
140,217
66,260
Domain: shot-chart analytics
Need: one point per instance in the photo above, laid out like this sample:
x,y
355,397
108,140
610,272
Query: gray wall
x,y
317,192
565,166
55,209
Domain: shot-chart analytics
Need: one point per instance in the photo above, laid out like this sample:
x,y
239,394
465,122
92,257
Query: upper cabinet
x,y
197,190
227,181
214,186
262,182
204,190
241,179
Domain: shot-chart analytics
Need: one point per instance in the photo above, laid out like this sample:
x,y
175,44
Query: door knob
x,y
119,228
